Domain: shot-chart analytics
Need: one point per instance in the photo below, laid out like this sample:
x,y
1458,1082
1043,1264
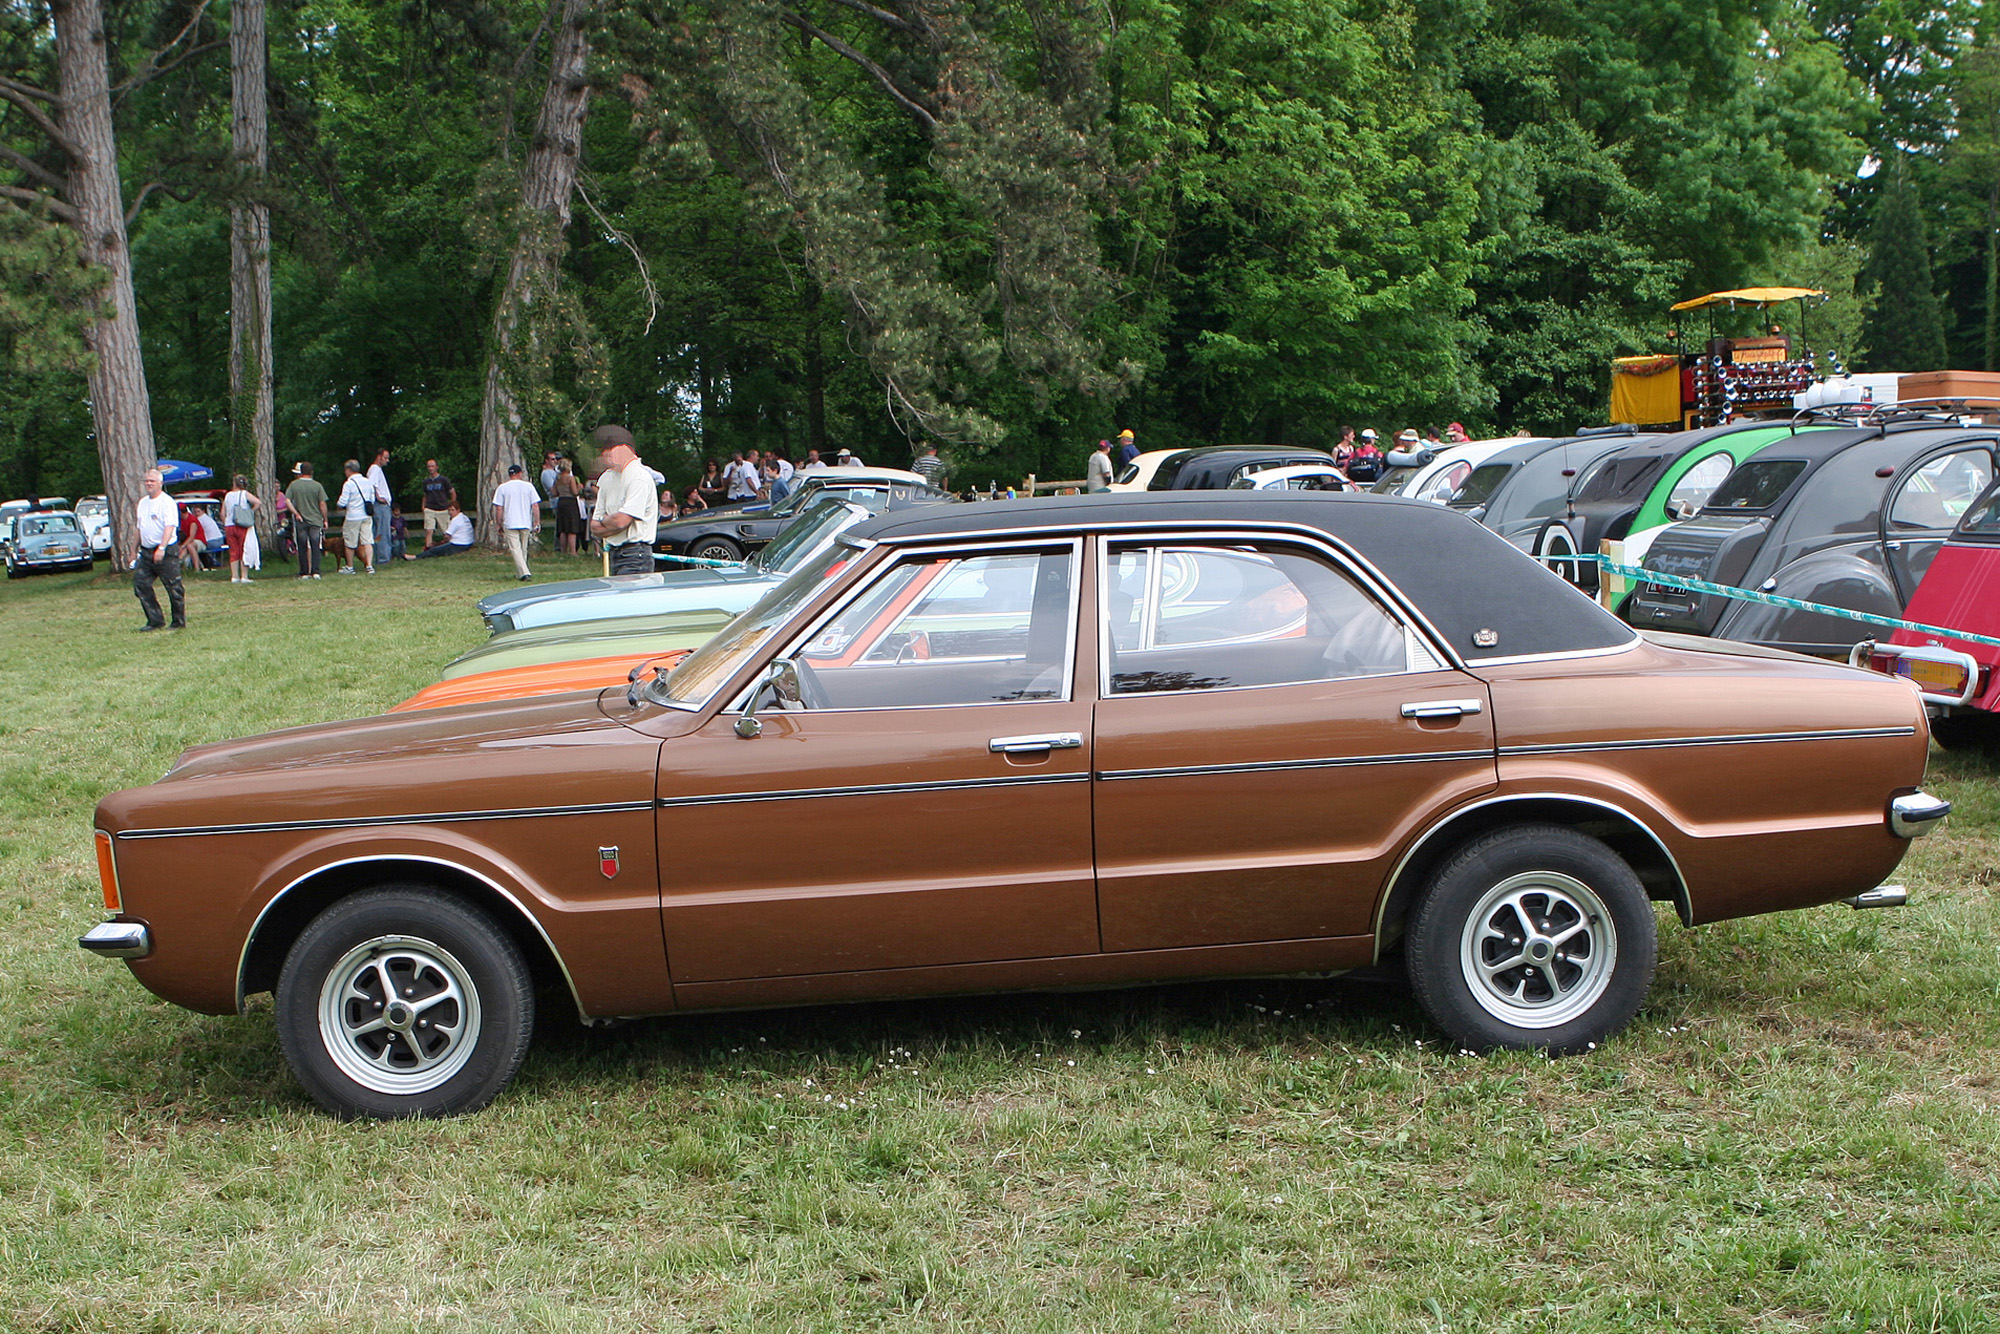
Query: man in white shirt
x,y
458,535
385,504
742,477
517,513
156,556
627,517
813,463
357,530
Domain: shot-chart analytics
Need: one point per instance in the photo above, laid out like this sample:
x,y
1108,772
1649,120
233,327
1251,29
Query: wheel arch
x,y
298,903
1623,832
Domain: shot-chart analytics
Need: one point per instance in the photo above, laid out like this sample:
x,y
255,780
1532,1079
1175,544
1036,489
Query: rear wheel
x,y
716,548
1532,937
1553,544
403,1001
1972,730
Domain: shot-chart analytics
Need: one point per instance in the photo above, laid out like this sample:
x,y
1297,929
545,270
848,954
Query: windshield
x,y
1757,484
1481,485
806,534
1170,468
703,671
87,509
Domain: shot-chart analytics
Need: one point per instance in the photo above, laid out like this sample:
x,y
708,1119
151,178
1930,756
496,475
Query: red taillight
x,y
107,872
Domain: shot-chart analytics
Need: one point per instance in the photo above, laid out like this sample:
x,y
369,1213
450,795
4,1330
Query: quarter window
x,y
1697,484
1935,495
1214,617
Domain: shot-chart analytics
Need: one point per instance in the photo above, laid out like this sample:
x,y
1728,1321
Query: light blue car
x,y
726,589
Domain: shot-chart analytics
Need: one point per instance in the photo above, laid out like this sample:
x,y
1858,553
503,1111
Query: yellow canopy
x,y
1755,296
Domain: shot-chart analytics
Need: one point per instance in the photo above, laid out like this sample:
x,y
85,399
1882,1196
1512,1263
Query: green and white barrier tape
x,y
1639,574
659,556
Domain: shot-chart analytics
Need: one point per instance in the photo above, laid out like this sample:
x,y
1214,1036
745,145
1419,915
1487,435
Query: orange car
x,y
544,678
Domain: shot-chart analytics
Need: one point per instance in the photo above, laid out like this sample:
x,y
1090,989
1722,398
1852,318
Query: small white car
x,y
1295,477
1436,477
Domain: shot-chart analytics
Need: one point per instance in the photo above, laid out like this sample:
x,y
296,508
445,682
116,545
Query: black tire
x,y
1556,540
716,548
1563,889
451,959
1971,731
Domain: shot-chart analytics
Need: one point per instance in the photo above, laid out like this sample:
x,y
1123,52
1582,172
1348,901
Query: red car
x,y
1961,591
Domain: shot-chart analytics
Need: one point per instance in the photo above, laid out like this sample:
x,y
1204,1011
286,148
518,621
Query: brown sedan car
x,y
1059,743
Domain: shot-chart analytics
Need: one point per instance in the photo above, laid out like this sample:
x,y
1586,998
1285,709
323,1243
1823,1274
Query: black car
x,y
1524,492
1214,467
1848,517
732,534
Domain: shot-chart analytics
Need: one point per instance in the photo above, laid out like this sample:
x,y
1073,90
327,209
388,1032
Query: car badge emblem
x,y
1485,638
607,862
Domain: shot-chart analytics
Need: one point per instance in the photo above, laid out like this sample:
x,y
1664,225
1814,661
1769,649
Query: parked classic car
x,y
1523,492
1295,477
1631,494
1435,474
1216,467
732,534
94,513
1075,742
1959,678
33,541
1847,517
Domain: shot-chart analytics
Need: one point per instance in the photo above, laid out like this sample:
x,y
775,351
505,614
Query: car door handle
x,y
1015,745
1440,708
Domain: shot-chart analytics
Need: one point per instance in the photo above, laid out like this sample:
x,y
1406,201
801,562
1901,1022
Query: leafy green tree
x,y
1905,331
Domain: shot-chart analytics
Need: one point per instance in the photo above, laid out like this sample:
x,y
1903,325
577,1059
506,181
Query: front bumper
x,y
118,940
1916,814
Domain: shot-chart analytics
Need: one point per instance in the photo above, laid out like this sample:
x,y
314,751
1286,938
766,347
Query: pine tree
x,y
1905,332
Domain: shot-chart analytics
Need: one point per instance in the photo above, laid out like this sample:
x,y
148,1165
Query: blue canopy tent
x,y
176,472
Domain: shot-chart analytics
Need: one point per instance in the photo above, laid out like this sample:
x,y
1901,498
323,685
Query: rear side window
x,y
1697,484
1757,484
1614,476
1937,494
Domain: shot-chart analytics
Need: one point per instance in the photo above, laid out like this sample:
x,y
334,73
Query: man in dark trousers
x,y
307,500
156,557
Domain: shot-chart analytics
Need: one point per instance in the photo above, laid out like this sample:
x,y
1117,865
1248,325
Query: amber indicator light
x,y
107,872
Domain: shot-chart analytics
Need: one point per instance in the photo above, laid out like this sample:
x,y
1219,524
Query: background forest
x,y
1013,226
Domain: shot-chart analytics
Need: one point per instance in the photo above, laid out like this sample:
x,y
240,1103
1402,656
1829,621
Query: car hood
x,y
642,637
725,591
514,599
467,730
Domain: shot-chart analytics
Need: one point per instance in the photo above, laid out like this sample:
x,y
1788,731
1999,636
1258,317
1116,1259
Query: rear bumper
x,y
118,940
1867,651
1916,814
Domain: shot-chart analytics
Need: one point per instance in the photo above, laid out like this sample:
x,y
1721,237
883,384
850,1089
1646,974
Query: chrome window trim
x,y
1682,900
1365,576
243,957
378,821
1073,541
874,789
1560,655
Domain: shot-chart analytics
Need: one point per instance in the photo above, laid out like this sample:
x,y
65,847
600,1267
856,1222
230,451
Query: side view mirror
x,y
780,684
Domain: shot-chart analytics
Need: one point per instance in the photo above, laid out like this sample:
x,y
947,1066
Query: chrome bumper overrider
x,y
118,940
1916,814
1882,896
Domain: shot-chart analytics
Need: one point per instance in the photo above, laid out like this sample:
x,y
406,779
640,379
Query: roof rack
x,y
1616,428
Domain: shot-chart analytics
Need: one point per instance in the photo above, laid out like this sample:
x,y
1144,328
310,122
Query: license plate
x,y
56,551
1941,676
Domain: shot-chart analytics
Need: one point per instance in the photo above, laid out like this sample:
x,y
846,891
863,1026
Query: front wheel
x,y
716,548
1534,937
401,1002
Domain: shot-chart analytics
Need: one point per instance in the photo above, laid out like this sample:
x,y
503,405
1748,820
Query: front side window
x,y
946,630
1217,617
1937,494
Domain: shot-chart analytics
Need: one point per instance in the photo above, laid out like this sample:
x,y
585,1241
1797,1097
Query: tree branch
x,y
21,95
881,15
33,168
150,72
27,90
56,207
881,76
132,213
645,273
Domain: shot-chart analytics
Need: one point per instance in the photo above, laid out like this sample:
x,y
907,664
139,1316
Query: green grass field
x,y
1800,1132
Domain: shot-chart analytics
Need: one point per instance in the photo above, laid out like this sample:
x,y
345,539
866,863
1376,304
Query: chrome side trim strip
x,y
1731,739
1273,766
1683,901
376,821
243,958
873,789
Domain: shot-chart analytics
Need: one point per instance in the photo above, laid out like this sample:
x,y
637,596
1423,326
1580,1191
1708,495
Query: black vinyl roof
x,y
1466,580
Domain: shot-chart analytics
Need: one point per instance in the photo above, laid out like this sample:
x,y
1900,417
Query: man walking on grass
x,y
156,557
378,481
357,529
307,501
627,515
439,496
517,513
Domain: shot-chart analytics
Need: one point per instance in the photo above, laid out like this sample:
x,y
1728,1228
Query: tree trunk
x,y
250,260
119,407
547,181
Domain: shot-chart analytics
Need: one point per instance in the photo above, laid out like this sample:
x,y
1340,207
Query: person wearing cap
x,y
307,501
1407,438
627,514
1128,449
517,513
1097,473
1455,434
1366,465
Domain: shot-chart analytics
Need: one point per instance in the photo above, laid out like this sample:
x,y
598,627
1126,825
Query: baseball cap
x,y
1125,435
610,437
513,470
1368,434
298,468
1407,436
